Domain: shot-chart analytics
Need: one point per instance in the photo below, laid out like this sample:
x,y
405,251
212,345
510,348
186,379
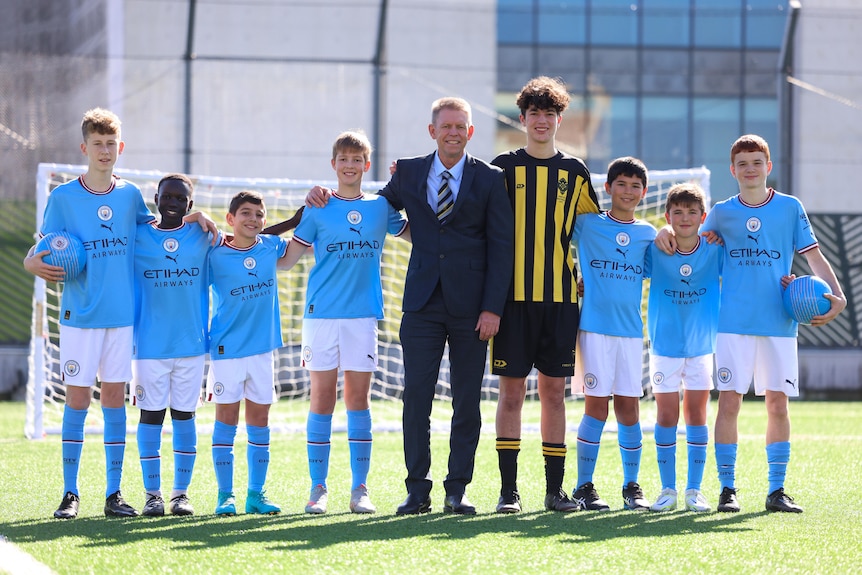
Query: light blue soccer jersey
x,y
760,242
171,291
246,319
682,318
103,295
347,236
612,258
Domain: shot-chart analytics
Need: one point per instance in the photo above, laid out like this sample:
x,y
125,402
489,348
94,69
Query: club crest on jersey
x,y
71,368
685,270
724,375
140,394
562,188
354,217
218,388
249,263
623,239
171,245
306,353
105,213
590,381
753,224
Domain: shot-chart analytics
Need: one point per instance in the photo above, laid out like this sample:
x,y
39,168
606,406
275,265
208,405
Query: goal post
x,y
45,391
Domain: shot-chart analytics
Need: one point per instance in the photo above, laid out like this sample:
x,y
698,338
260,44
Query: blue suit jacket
x,y
471,255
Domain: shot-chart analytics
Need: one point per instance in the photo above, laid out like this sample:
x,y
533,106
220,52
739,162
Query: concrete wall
x,y
273,84
827,135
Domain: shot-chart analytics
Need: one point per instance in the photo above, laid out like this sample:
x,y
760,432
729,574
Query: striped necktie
x,y
445,200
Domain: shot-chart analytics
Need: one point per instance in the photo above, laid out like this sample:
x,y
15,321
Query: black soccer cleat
x,y
727,502
116,506
510,502
154,507
778,500
589,500
633,497
180,505
68,507
560,502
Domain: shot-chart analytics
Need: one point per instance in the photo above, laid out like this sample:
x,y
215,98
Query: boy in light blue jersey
x,y
761,230
682,324
97,310
171,317
344,301
244,331
612,252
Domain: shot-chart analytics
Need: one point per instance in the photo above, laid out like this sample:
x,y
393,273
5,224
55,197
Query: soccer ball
x,y
66,250
804,298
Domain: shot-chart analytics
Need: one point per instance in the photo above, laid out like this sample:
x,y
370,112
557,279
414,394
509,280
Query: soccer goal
x,y
45,390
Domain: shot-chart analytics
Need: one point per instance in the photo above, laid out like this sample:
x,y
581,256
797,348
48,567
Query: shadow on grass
x,y
300,531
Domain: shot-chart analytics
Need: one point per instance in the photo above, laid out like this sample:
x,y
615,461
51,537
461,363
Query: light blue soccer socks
x,y
359,442
589,439
222,451
696,438
777,457
185,452
72,435
257,455
630,439
318,435
115,447
725,462
665,450
149,447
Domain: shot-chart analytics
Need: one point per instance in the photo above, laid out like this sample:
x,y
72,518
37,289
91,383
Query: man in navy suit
x,y
457,281
455,291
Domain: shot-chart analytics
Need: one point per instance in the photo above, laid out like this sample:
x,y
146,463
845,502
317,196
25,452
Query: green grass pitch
x,y
823,475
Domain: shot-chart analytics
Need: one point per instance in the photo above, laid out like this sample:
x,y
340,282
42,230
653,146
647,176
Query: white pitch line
x,y
14,561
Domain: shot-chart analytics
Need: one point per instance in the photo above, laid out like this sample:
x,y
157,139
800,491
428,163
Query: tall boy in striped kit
x,y
549,191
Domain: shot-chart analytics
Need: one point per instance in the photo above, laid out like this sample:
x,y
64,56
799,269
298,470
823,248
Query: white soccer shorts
x,y
88,353
671,374
161,383
350,344
772,363
607,365
252,378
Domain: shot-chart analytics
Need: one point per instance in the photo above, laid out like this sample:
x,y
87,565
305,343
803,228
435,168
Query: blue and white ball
x,y
66,250
804,298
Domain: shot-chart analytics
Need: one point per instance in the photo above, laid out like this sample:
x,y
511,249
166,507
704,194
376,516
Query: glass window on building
x,y
613,23
666,22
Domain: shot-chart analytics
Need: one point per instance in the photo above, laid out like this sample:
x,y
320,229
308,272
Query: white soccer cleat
x,y
666,501
695,501
360,502
317,501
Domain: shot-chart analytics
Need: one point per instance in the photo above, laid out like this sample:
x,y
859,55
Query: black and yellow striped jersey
x,y
547,195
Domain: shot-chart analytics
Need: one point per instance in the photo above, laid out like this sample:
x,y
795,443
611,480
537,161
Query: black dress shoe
x,y
414,505
458,504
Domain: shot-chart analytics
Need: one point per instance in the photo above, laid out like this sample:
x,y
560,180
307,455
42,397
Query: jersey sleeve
x,y
803,238
306,231
397,221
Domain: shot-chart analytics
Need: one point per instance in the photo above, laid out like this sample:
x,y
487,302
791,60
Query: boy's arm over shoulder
x,y
821,268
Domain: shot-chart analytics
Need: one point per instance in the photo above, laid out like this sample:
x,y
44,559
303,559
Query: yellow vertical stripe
x,y
539,237
520,194
577,190
560,219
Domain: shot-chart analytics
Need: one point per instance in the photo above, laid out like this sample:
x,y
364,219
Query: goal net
x,y
45,390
